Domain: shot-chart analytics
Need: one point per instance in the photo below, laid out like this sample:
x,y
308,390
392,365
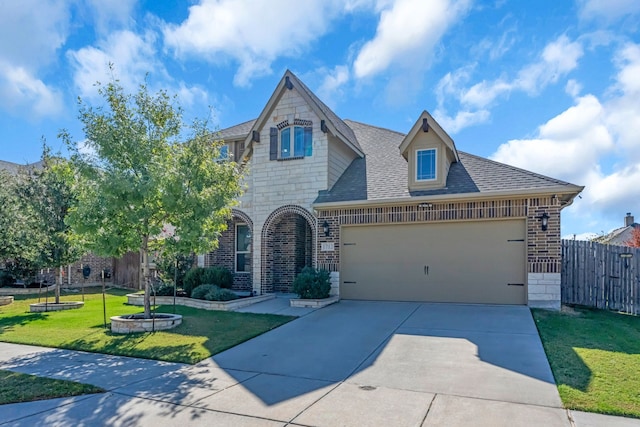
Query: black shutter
x,y
273,144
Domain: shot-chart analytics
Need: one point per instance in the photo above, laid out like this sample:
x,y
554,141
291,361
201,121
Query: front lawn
x,y
16,387
595,358
202,333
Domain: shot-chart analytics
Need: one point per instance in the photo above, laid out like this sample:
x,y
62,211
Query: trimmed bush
x,y
164,290
193,279
218,294
200,292
218,276
312,284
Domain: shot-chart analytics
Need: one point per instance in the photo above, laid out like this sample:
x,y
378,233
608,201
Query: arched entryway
x,y
288,244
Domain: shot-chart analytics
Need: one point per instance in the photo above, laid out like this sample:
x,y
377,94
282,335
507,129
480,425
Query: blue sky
x,y
550,86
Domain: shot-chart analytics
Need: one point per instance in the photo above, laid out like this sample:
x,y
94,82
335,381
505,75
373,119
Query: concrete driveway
x,y
350,364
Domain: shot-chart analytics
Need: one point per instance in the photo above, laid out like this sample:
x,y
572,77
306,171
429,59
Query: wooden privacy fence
x,y
602,276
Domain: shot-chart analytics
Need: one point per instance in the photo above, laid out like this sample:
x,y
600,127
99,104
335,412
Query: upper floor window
x,y
426,164
290,141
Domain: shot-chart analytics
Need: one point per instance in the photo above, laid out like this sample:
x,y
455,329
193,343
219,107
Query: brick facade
x,y
543,247
225,255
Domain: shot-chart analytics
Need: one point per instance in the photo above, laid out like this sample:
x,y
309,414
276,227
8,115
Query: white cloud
x,y
21,93
593,143
573,88
219,30
111,15
132,55
332,83
609,10
462,119
558,58
31,32
407,32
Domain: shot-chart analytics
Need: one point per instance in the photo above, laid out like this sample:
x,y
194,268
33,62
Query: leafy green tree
x,y
141,168
48,192
18,230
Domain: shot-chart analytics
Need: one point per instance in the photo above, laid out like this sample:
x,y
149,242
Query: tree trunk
x,y
144,253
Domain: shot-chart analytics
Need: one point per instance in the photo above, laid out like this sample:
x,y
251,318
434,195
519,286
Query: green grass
x,y
202,333
15,388
595,358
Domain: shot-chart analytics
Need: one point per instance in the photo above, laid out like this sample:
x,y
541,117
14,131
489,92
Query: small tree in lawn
x,y
49,192
138,173
634,240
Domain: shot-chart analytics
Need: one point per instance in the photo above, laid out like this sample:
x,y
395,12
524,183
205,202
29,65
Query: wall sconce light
x,y
625,257
544,219
325,228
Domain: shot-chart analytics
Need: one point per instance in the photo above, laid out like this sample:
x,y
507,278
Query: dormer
x,y
429,151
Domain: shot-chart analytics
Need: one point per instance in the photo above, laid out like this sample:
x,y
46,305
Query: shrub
x,y
200,292
312,284
6,278
218,276
166,268
192,279
218,294
164,290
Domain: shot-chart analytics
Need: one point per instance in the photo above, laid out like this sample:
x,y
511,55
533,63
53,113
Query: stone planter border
x,y
314,303
25,291
52,306
162,321
6,300
138,299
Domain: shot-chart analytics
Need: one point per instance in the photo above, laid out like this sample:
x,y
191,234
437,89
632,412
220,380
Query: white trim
x,y
235,248
435,164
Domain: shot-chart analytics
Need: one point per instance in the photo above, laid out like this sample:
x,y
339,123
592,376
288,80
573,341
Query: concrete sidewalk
x,y
360,364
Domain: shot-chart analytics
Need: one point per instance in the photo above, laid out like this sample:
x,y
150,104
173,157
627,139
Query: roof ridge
x,y
375,127
328,112
515,168
237,124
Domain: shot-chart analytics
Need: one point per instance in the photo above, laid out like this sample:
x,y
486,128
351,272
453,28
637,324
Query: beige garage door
x,y
467,262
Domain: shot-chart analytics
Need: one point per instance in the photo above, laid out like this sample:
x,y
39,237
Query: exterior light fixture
x,y
544,219
625,257
325,228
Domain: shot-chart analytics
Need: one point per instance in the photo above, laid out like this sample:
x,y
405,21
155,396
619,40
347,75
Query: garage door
x,y
466,262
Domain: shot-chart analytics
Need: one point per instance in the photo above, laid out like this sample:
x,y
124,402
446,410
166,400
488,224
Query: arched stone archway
x,y
288,245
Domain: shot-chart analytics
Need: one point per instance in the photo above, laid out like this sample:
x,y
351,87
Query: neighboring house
x,y
620,236
393,216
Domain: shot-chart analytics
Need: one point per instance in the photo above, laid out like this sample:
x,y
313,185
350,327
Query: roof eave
x,y
571,191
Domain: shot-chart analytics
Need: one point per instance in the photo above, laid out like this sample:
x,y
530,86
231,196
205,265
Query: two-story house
x,y
393,216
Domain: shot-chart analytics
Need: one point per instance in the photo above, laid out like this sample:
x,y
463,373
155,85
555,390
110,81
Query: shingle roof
x,y
382,173
238,131
13,168
619,236
337,122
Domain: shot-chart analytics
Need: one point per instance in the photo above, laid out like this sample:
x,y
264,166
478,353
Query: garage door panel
x,y
446,262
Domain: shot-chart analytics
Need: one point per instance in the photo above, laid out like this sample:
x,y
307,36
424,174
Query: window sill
x,y
242,272
284,159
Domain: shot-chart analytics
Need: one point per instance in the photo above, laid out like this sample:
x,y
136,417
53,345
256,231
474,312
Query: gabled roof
x,y
335,125
236,132
382,174
435,127
14,168
619,236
